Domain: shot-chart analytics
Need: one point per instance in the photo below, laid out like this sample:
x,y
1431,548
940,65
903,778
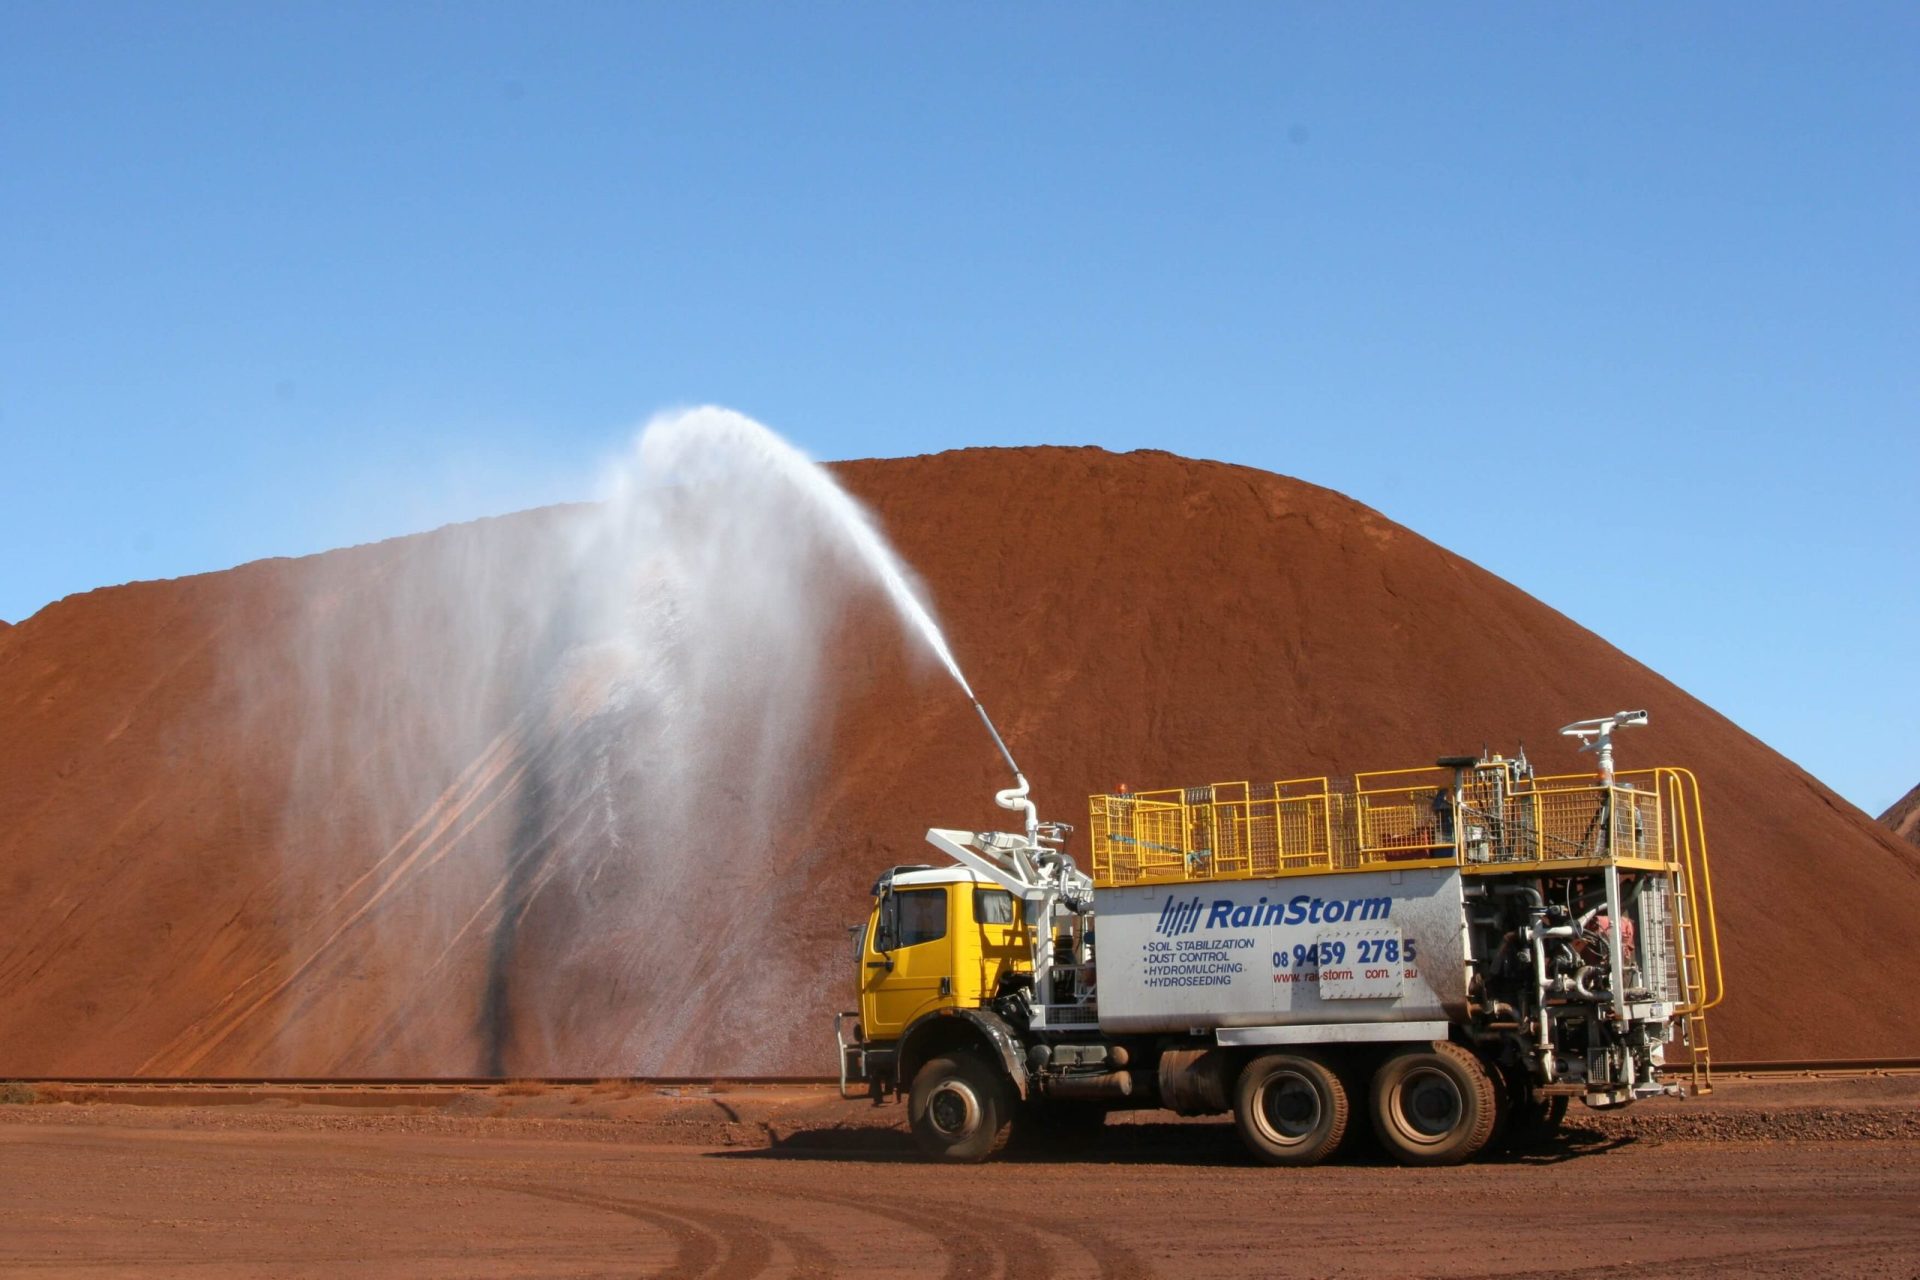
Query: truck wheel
x,y
1433,1106
960,1109
1289,1109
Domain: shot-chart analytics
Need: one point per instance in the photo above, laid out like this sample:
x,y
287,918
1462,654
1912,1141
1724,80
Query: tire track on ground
x,y
749,1240
697,1250
1789,1259
1001,1248
971,1251
969,1255
1111,1259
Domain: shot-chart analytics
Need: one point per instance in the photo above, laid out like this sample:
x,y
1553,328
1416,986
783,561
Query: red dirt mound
x,y
174,900
1903,819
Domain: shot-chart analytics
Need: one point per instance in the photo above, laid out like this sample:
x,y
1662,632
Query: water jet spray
x,y
698,444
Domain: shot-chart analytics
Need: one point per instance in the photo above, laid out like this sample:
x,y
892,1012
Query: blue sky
x,y
1619,301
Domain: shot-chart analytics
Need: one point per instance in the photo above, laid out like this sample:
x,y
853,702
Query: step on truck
x,y
1447,955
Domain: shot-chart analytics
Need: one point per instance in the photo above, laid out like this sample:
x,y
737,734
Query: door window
x,y
992,906
922,915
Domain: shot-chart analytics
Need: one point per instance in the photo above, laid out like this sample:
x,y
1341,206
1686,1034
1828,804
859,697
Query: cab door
x,y
907,968
994,939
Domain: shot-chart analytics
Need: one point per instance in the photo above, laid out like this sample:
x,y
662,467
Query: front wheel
x,y
1433,1106
1290,1109
960,1108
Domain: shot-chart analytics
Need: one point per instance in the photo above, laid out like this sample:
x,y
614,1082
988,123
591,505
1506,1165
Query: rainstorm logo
x,y
1177,918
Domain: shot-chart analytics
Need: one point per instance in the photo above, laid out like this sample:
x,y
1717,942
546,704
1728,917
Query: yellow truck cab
x,y
938,940
939,945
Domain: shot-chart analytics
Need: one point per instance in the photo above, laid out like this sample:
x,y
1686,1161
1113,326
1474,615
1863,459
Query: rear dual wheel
x,y
1433,1106
1290,1109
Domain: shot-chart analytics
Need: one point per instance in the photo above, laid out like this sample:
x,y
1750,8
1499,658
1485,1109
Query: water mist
x,y
572,734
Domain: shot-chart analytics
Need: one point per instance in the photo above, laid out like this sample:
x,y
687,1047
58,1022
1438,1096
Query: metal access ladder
x,y
1696,930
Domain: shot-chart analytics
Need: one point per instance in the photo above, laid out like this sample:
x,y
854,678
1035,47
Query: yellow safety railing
x,y
1242,831
1649,818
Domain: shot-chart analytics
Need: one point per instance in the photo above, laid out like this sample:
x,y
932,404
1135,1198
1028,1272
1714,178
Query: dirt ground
x,y
1774,1179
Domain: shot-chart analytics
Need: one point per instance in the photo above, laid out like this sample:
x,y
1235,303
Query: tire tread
x,y
1479,1098
1332,1088
996,1098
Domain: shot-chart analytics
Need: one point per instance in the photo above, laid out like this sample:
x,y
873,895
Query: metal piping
x,y
998,741
1015,798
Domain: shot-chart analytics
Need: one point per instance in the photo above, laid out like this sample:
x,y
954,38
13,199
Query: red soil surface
x,y
1903,819
1795,1179
172,901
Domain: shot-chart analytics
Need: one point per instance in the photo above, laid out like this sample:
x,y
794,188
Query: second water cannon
x,y
1597,736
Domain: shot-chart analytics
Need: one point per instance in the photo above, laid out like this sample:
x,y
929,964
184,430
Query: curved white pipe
x,y
1015,798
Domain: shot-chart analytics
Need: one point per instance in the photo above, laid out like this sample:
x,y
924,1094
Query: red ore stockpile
x,y
1903,819
327,816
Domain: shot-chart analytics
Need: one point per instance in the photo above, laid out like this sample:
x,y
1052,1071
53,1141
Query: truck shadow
x,y
1568,1143
1189,1143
